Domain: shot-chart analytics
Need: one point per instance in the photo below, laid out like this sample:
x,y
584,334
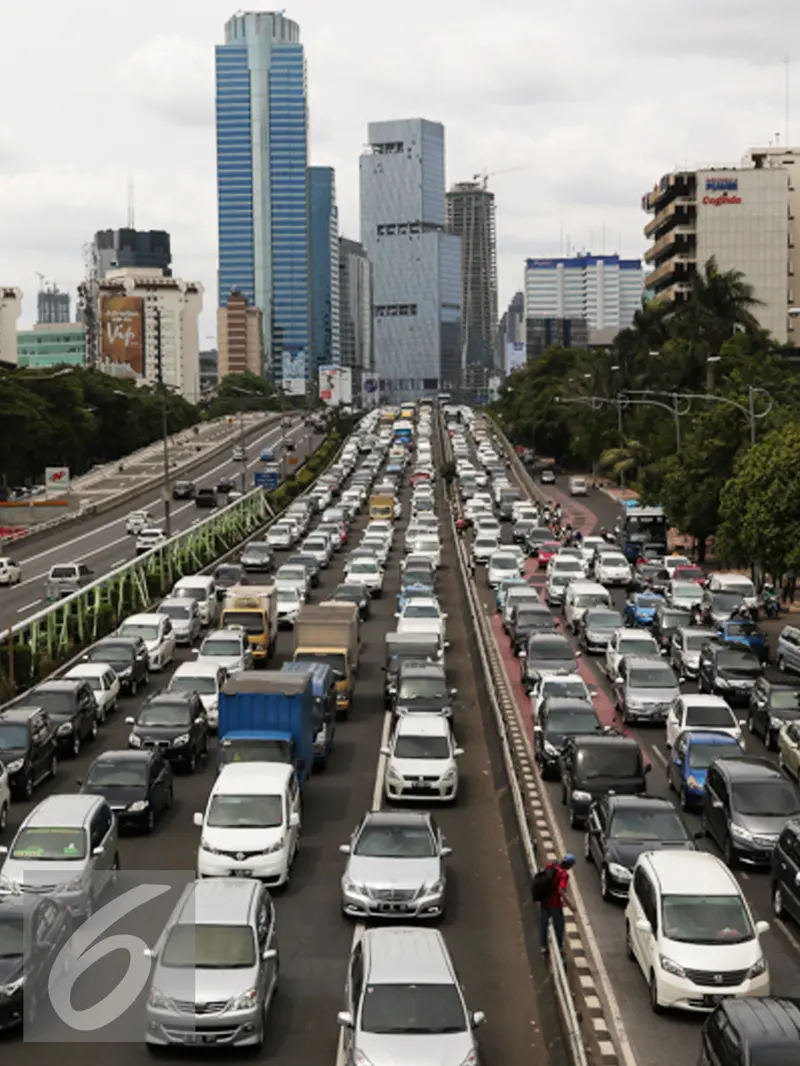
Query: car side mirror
x,y
761,928
197,818
648,768
345,1019
700,835
478,1018
578,654
3,849
344,849
457,752
453,691
644,926
397,614
717,804
446,852
130,721
269,954
79,782
592,691
294,820
386,751
98,852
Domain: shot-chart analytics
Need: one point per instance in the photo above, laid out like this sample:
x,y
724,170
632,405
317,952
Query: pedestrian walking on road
x,y
789,586
550,891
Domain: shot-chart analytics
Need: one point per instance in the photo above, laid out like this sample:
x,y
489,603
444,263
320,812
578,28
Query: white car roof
x,y
198,668
687,873
423,725
89,670
143,620
698,700
252,778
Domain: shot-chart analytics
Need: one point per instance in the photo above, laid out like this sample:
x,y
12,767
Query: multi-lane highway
x,y
102,542
486,927
652,1040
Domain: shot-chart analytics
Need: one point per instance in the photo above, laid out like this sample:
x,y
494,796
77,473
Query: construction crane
x,y
41,281
484,176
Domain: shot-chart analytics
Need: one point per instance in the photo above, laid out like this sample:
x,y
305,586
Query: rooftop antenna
x,y
787,99
41,281
130,203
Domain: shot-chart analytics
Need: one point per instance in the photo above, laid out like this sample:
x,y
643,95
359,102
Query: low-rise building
x,y
52,344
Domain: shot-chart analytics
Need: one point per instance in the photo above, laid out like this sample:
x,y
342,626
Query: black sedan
x,y
558,718
137,784
527,619
620,828
772,705
71,707
228,575
34,928
356,594
128,658
183,490
175,724
226,485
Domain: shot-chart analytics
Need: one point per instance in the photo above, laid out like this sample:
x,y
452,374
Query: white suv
x,y
10,572
421,760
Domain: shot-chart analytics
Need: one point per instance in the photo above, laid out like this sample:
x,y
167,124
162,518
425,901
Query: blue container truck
x,y
268,717
323,689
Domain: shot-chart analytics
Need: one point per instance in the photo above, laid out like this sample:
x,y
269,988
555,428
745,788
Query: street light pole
x,y
164,421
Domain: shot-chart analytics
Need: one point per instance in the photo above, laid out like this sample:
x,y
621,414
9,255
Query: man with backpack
x,y
549,890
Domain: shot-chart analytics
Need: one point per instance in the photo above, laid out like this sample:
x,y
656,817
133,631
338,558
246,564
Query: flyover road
x,y
674,1037
484,924
102,542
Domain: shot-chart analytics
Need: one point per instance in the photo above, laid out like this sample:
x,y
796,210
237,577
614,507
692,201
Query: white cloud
x,y
172,77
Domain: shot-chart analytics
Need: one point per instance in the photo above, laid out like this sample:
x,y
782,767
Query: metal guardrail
x,y
518,767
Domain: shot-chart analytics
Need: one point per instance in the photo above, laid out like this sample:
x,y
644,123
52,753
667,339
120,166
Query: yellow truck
x,y
329,633
254,608
381,505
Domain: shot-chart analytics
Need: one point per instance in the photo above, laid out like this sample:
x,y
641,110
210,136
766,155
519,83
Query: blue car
x,y
503,587
640,609
742,631
408,591
691,755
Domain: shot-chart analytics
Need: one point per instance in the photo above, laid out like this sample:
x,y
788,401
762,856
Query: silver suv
x,y
216,967
404,1003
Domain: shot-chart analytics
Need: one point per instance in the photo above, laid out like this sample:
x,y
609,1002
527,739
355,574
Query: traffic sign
x,y
292,460
266,479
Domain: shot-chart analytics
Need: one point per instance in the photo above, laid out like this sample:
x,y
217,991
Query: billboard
x,y
370,390
336,386
122,331
294,372
56,480
516,355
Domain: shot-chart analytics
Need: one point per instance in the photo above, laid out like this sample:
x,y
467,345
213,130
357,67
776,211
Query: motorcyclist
x,y
460,526
771,601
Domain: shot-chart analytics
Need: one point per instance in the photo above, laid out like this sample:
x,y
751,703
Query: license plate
x,y
242,873
393,908
421,781
712,1001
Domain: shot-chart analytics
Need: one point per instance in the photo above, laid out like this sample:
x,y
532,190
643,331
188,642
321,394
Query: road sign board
x,y
292,460
266,479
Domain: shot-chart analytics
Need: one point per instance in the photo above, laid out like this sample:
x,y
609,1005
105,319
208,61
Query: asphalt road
x,y
484,924
655,1040
102,542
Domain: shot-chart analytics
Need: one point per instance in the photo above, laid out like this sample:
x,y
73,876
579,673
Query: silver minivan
x,y
216,967
67,845
404,1002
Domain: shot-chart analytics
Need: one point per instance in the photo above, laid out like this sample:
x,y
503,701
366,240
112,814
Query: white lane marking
x,y
120,521
780,924
377,799
117,522
28,606
659,754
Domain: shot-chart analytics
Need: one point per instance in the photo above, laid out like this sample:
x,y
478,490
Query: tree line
x,y
669,408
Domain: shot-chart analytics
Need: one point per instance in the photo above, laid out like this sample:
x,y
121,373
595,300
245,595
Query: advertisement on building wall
x,y
336,386
370,390
122,331
294,373
516,356
721,191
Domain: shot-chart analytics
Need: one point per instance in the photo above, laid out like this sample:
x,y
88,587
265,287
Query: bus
x,y
640,526
403,432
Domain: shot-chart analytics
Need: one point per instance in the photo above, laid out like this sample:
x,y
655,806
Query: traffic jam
x,y
665,720
267,731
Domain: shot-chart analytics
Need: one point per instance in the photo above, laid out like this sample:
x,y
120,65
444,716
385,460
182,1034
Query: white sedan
x,y
429,547
483,547
501,565
280,536
10,572
422,615
612,569
104,683
137,521
628,642
366,572
706,714
150,538
157,633
293,577
559,686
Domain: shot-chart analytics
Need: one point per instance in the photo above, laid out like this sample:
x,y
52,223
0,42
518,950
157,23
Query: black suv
x,y
175,724
743,1031
592,767
33,930
72,707
620,828
728,670
206,497
527,619
747,803
226,485
127,656
772,705
422,686
558,719
28,748
183,490
785,878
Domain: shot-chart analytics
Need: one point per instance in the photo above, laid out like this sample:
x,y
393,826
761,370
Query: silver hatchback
x,y
185,617
216,967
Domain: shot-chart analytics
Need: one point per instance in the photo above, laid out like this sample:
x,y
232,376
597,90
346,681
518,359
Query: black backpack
x,y
543,881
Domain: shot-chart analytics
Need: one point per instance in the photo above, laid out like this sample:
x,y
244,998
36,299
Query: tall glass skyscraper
x,y
324,272
262,183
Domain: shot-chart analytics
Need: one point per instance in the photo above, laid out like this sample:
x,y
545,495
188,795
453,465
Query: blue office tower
x,y
262,180
324,267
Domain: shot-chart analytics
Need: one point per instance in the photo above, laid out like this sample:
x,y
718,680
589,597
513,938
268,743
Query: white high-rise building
x,y
10,311
416,265
603,290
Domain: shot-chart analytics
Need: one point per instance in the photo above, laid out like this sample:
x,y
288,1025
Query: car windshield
x,y
773,799
413,1009
421,610
741,629
614,560
50,844
396,842
209,947
726,601
136,629
256,551
411,747
54,701
738,660
694,641
486,542
13,736
568,566
59,572
227,574
165,715
12,938
701,755
288,595
503,562
226,648
127,773
648,602
618,763
572,723
336,661
291,573
190,592
673,619
706,919
551,649
363,566
686,590
201,684
592,599
566,688
709,716
249,621
350,593
647,823
110,653
786,700
245,812
530,616
603,620
422,688
638,643
655,676
175,610
417,577
559,580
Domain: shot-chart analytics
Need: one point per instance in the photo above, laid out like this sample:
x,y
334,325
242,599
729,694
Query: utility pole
x,y
164,420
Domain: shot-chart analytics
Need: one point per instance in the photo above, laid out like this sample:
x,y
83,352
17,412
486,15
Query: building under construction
x,y
471,215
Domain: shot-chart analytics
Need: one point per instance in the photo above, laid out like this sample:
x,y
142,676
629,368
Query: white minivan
x,y
203,590
253,812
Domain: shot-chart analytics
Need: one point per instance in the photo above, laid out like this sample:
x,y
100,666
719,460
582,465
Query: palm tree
x,y
719,301
622,460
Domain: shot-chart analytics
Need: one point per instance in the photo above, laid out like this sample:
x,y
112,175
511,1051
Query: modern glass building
x,y
262,179
51,345
324,267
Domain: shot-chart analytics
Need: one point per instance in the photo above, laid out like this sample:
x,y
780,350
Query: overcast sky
x,y
579,106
